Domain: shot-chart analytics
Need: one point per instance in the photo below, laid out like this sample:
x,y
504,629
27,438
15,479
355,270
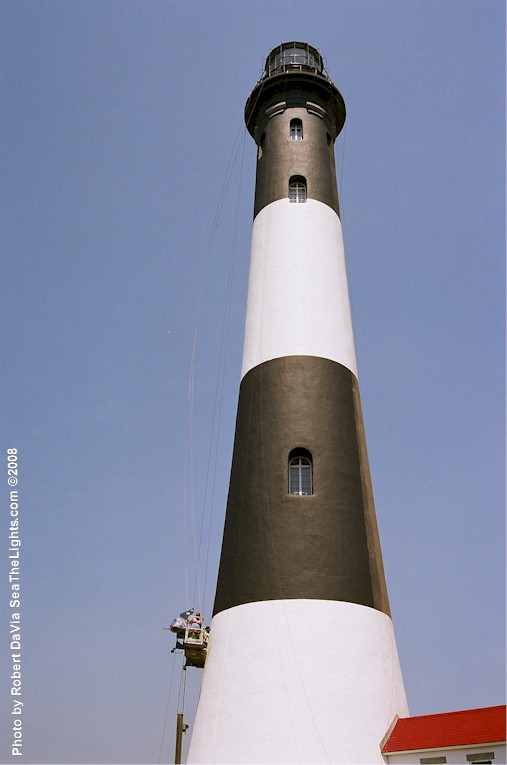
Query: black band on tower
x,y
280,158
278,545
295,86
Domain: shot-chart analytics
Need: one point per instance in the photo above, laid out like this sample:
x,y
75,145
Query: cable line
x,y
217,414
191,524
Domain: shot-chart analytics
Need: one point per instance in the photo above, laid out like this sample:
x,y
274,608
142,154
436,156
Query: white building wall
x,y
457,756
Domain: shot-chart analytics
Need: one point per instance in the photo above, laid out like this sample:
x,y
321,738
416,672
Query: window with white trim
x,y
297,189
300,472
296,130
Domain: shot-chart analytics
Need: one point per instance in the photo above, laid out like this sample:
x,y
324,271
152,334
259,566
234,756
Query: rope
x,y
303,685
223,356
181,693
189,494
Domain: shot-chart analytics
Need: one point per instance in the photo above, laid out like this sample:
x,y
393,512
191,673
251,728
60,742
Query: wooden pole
x,y
180,729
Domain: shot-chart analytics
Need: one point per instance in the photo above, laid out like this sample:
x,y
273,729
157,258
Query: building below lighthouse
x,y
302,664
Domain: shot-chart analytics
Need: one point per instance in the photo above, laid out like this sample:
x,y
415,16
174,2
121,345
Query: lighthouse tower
x,y
302,664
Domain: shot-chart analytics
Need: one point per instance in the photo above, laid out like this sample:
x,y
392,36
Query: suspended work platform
x,y
191,638
195,646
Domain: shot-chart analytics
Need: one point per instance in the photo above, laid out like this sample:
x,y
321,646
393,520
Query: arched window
x,y
297,189
300,472
296,130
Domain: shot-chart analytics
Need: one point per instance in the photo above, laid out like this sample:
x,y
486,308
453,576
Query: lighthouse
x,y
302,665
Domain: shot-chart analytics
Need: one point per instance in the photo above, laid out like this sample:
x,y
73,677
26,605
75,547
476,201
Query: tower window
x,y
300,472
260,148
296,130
297,189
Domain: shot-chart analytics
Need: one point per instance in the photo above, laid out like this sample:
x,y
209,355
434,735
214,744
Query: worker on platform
x,y
195,622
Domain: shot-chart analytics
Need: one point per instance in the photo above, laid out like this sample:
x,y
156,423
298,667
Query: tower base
x,y
306,681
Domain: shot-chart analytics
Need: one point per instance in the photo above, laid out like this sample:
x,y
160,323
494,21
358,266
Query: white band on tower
x,y
298,303
298,681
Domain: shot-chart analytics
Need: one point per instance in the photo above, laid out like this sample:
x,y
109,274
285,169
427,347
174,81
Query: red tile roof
x,y
471,726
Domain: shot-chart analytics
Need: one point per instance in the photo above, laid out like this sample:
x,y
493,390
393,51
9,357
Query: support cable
x,y
189,498
181,692
223,359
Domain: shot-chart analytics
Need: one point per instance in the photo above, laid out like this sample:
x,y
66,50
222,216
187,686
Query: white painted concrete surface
x,y
298,301
298,681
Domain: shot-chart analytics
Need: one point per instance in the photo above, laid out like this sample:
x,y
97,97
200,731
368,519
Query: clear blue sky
x,y
119,121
